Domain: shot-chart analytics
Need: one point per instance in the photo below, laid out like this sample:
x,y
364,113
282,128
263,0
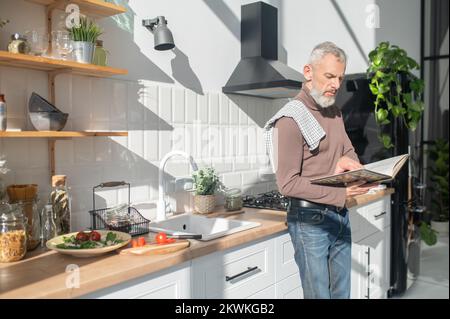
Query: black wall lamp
x,y
163,36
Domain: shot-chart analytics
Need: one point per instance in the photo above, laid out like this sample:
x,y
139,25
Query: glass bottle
x,y
100,54
13,233
61,202
48,230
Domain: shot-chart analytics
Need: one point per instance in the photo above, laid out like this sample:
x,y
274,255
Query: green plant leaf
x,y
428,234
386,140
381,115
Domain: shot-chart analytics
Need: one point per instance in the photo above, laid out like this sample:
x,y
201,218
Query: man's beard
x,y
322,100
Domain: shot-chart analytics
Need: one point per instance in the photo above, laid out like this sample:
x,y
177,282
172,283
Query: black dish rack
x,y
137,224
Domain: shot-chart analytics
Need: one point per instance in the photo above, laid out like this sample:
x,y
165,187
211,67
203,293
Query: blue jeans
x,y
322,244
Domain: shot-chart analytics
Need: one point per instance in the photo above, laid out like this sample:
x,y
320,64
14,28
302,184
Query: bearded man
x,y
308,140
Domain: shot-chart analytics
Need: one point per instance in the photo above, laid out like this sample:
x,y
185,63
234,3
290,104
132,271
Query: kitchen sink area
x,y
208,228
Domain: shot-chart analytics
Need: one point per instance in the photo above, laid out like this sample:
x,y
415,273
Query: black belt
x,y
296,202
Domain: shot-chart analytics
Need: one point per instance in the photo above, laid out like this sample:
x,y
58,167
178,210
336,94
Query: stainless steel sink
x,y
209,228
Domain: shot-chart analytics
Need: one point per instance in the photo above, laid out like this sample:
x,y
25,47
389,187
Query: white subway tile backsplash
x,y
202,109
224,111
14,87
178,105
151,143
135,103
38,150
165,104
136,142
213,108
232,180
17,153
191,106
118,105
82,103
84,151
212,127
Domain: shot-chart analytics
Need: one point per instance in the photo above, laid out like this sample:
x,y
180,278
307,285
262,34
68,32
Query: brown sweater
x,y
297,165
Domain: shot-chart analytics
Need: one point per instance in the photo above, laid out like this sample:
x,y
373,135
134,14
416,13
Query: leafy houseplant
x,y
84,36
439,177
397,91
206,182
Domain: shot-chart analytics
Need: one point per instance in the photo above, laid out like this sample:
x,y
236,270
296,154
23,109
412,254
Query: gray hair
x,y
325,48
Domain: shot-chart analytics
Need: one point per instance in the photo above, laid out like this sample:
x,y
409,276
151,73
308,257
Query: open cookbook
x,y
383,170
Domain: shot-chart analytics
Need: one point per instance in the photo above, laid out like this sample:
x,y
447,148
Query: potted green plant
x,y
84,37
439,177
206,182
397,91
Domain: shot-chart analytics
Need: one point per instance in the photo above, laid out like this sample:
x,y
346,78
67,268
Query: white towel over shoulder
x,y
309,127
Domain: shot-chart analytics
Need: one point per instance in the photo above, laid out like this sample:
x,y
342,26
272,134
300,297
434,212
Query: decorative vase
x,y
83,52
440,227
204,204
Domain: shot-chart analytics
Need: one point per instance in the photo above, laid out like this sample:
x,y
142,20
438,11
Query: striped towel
x,y
309,127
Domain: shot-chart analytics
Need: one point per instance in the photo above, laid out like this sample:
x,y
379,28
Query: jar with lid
x,y
233,199
26,196
18,44
13,233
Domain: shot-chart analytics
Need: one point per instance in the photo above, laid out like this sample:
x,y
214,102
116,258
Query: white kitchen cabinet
x,y
285,265
266,293
289,288
370,275
237,273
172,283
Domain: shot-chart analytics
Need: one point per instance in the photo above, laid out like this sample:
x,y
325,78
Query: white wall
x,y
166,93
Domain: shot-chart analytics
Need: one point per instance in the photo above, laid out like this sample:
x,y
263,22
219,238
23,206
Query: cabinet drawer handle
x,y
380,214
249,269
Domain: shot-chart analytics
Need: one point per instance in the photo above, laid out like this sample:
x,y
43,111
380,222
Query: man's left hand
x,y
346,164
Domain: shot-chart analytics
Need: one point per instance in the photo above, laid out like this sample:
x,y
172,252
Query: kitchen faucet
x,y
161,209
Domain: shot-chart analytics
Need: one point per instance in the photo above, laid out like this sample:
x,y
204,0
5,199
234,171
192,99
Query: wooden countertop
x,y
42,274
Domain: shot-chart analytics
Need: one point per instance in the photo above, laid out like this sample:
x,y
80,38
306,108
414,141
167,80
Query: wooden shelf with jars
x,y
53,67
95,8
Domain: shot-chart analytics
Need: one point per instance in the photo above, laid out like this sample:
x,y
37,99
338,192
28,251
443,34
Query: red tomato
x,y
161,238
134,243
170,240
95,236
141,241
82,236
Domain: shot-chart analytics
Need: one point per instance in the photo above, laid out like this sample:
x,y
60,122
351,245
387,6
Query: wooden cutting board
x,y
151,249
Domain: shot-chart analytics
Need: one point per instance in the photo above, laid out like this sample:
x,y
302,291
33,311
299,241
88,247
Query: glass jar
x,y
233,199
100,54
117,218
60,200
30,210
48,229
13,233
18,44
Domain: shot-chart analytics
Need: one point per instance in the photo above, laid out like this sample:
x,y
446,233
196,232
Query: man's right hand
x,y
359,188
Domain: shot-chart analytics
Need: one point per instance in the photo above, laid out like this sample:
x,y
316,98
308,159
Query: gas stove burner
x,y
269,200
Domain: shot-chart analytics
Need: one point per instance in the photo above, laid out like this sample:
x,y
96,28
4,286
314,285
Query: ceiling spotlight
x,y
163,36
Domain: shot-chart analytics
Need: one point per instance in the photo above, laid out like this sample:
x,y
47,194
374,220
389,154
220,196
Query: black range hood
x,y
259,73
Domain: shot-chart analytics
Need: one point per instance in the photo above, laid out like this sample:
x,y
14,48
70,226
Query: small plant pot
x,y
204,204
440,227
83,52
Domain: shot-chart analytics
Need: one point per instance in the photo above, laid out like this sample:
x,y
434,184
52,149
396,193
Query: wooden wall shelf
x,y
96,8
58,134
47,64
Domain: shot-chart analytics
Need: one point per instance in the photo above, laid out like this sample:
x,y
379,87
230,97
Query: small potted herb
x,y
206,182
84,37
